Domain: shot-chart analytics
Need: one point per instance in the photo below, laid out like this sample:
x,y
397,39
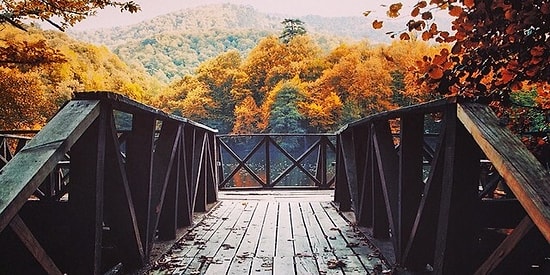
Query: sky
x,y
111,17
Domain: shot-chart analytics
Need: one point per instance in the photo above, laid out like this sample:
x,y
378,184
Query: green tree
x,y
291,29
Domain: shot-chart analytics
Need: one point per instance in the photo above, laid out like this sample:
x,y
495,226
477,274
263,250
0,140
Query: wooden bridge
x,y
113,186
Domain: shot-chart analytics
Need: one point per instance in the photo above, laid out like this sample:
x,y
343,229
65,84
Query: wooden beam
x,y
388,170
410,185
506,247
421,245
523,173
163,159
121,214
458,226
139,164
349,161
86,198
341,191
26,171
32,244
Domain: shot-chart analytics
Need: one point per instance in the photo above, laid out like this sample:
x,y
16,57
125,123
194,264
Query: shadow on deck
x,y
272,232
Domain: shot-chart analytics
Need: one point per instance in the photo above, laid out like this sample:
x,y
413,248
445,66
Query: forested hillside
x,y
296,87
53,66
173,45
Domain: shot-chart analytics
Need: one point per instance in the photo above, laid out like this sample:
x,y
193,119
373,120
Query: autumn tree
x,y
498,47
68,13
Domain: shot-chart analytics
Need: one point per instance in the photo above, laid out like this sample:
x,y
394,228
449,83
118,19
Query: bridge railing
x,y
131,175
422,179
276,161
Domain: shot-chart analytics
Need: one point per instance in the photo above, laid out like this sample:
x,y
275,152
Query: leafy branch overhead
x,y
69,13
497,46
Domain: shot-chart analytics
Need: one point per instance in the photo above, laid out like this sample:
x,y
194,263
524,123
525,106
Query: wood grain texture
x,y
525,176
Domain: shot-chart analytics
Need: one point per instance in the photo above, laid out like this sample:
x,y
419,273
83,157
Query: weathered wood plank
x,y
262,265
285,241
356,241
523,173
506,246
342,251
207,251
320,246
26,171
266,244
227,252
306,265
28,239
283,265
301,242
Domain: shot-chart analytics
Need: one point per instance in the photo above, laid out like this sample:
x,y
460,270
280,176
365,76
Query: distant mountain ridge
x,y
172,45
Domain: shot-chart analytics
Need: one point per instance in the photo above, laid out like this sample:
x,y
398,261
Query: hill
x,y
173,45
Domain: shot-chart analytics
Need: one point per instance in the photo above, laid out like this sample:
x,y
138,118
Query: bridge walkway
x,y
272,232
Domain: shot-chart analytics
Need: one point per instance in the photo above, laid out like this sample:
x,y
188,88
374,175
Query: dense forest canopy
x,y
496,53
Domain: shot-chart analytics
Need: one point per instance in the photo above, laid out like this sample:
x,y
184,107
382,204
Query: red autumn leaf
x,y
439,59
469,3
394,10
415,12
377,24
426,36
455,11
537,51
435,72
433,28
507,76
404,36
427,15
421,4
532,71
457,48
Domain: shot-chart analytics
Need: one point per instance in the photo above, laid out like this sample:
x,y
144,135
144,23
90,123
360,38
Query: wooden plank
x,y
285,241
361,246
262,266
211,181
301,242
139,160
506,247
249,243
410,185
226,253
342,250
180,257
320,246
305,265
28,239
26,171
525,176
268,237
206,255
283,265
86,198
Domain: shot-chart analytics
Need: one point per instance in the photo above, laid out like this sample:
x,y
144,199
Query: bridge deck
x,y
298,232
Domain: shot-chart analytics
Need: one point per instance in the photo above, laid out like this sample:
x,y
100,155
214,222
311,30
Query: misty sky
x,y
151,8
